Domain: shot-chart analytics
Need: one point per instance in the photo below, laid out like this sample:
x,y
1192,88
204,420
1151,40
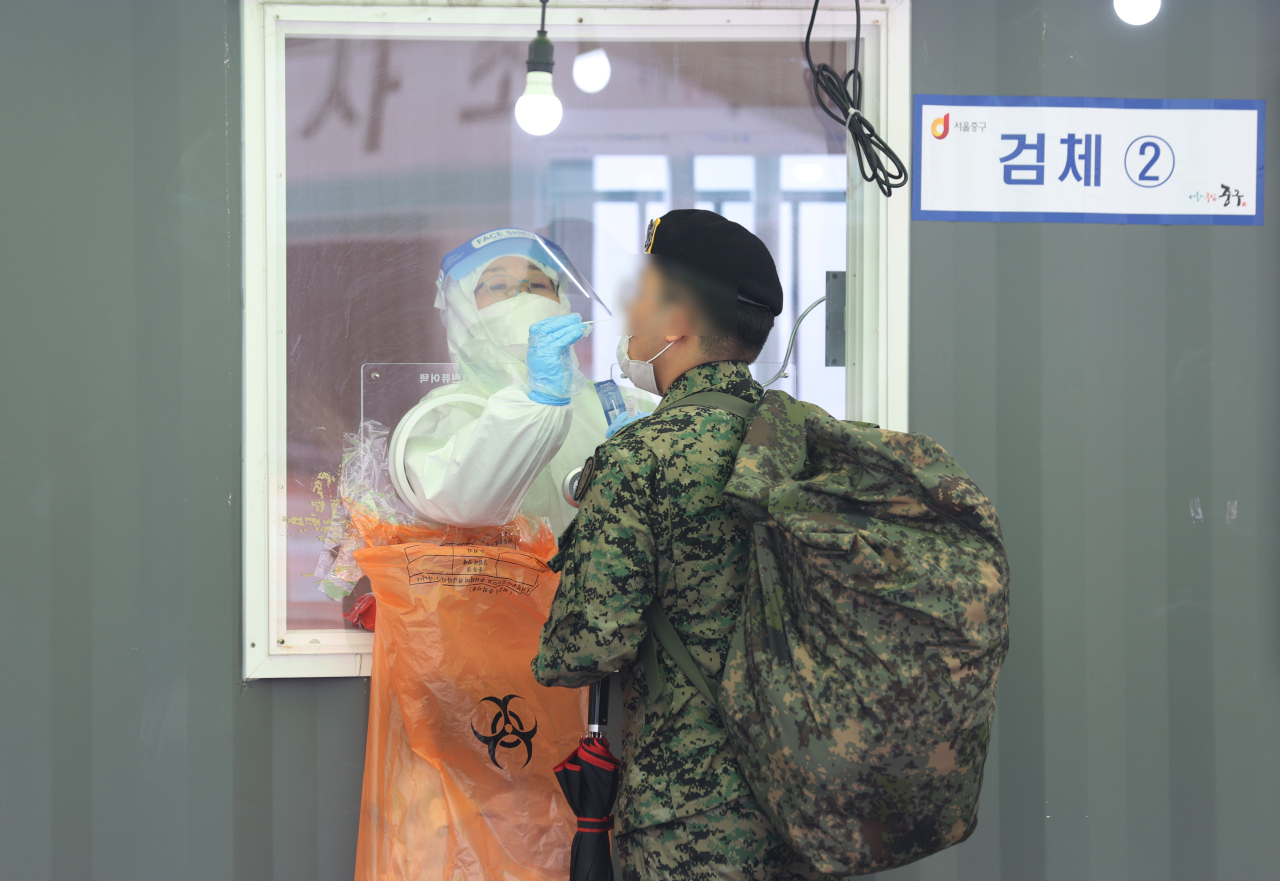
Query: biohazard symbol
x,y
507,730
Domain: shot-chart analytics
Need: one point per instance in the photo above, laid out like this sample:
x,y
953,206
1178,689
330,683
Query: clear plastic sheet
x,y
370,514
364,486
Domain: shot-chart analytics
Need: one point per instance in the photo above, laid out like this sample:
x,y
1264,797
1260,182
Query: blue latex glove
x,y
550,367
622,420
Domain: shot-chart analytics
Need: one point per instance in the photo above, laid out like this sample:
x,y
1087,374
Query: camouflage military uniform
x,y
734,841
653,524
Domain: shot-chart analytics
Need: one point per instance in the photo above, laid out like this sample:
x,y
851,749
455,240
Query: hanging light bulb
x,y
1136,11
591,71
539,111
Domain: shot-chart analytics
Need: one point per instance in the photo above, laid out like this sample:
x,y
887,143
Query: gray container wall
x,y
129,747
1092,378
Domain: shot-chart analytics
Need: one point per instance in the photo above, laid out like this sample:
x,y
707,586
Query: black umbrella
x,y
589,780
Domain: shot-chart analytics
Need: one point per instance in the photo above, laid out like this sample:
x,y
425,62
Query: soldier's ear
x,y
682,320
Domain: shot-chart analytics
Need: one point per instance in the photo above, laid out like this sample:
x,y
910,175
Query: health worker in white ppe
x,y
502,441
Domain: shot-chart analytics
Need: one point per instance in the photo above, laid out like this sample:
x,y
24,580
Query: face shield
x,y
494,287
490,291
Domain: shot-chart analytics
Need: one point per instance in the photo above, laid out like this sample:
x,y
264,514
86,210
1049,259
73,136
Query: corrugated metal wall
x,y
1092,378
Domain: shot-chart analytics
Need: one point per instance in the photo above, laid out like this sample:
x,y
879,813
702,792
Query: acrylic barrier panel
x,y
399,151
388,391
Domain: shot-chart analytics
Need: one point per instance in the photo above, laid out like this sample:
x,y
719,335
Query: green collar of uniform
x,y
731,377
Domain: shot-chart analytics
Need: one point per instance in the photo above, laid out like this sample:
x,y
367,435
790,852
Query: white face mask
x,y
506,324
639,372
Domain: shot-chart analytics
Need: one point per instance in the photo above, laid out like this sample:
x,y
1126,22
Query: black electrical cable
x,y
871,148
541,52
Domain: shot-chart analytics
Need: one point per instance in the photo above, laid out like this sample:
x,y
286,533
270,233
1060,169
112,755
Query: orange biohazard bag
x,y
458,782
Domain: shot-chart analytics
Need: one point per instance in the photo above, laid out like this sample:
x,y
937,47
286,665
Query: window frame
x,y
877,262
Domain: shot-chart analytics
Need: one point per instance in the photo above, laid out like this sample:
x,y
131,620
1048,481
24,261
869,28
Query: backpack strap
x,y
661,630
717,400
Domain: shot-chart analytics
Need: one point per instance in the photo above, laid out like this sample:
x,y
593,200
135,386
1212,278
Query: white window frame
x,y
878,248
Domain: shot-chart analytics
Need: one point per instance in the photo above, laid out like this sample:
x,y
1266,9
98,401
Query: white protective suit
x,y
479,460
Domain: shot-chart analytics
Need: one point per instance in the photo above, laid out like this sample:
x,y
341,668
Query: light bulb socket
x,y
538,82
541,54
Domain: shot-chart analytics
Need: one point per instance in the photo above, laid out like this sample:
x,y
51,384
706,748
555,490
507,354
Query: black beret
x,y
711,246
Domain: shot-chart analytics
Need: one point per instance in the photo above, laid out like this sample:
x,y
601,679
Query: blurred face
x,y
652,320
508,277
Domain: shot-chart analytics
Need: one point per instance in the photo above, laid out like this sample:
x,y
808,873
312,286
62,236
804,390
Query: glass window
x,y
822,173
724,173
630,174
397,151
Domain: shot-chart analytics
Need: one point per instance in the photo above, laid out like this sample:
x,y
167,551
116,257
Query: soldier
x,y
652,527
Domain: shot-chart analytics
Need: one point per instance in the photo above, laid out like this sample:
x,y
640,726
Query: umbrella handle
x,y
598,707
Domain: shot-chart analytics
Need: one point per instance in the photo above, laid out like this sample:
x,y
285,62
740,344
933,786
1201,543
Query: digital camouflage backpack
x,y
860,685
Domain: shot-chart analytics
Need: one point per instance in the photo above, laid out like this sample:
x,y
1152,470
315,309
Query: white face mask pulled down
x,y
639,372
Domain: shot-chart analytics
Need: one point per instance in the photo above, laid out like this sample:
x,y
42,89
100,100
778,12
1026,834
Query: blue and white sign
x,y
1087,160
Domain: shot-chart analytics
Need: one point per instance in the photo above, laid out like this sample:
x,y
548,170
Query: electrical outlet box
x,y
836,288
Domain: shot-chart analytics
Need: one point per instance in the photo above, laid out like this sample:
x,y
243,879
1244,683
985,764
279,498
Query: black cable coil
x,y
871,148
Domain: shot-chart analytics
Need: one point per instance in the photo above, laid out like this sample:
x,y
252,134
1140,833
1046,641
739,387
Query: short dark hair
x,y
735,331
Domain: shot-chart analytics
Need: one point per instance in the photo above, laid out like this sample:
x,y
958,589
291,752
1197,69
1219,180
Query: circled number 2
x,y
1149,161
1154,149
